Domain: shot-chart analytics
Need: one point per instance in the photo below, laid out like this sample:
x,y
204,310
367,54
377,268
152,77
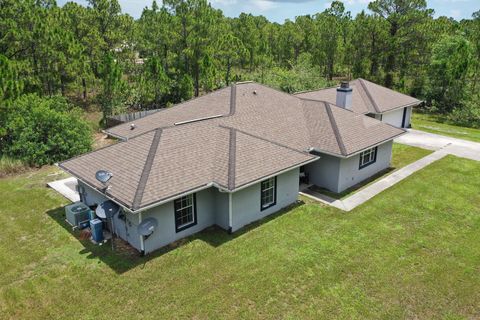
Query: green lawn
x,y
411,252
402,155
437,124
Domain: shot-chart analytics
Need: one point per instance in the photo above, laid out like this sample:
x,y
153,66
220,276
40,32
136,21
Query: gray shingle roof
x,y
261,131
367,97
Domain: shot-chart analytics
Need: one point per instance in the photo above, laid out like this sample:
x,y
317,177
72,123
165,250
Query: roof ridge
x,y
107,131
264,139
369,95
232,148
313,90
142,183
338,137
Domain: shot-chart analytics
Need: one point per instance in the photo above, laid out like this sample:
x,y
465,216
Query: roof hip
x,y
137,200
369,95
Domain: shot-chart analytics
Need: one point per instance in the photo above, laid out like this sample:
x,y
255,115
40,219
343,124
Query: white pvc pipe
x,y
230,213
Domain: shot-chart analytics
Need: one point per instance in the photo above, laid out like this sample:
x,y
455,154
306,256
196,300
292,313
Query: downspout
x,y
142,242
230,215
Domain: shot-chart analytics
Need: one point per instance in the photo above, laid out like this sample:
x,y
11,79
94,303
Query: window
x,y
368,157
185,212
268,193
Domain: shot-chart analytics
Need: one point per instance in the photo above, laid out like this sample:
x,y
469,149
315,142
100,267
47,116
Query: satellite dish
x,y
107,209
147,226
103,176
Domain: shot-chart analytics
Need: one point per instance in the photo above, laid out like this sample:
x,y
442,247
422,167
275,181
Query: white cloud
x,y
349,3
224,2
259,5
455,13
353,2
263,5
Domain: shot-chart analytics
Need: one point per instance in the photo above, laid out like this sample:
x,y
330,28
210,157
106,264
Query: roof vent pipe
x,y
344,96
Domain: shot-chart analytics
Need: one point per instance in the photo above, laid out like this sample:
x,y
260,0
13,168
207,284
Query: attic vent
x,y
197,119
132,126
254,91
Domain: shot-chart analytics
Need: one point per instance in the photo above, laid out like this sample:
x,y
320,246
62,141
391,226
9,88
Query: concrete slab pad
x,y
458,147
67,188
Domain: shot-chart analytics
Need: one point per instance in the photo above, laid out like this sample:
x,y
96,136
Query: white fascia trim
x,y
156,204
359,151
95,188
208,185
273,175
375,145
312,149
413,104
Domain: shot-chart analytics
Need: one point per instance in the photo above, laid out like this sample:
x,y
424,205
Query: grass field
x,y
437,124
402,155
411,252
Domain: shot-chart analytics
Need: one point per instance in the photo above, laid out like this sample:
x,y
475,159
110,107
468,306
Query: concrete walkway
x,y
375,188
458,147
441,144
67,188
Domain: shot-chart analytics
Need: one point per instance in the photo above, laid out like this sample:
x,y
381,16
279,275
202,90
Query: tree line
x,y
97,55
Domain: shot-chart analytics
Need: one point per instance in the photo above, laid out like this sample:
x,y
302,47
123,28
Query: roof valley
x,y
137,200
341,145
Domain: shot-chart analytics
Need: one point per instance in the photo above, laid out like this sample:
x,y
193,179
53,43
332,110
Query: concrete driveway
x,y
458,147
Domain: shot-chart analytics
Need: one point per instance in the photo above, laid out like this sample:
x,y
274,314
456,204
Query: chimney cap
x,y
344,84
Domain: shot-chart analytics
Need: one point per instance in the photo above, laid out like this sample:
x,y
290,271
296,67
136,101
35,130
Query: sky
x,y
279,10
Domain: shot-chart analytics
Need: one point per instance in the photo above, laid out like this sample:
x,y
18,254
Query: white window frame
x,y
368,157
272,193
182,207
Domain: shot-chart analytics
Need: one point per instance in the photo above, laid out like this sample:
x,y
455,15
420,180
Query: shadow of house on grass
x,y
125,258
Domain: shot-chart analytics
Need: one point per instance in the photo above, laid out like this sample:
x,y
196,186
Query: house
x,y
229,158
372,100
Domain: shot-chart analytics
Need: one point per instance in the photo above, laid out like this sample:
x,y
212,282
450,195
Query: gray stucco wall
x,y
350,174
221,208
395,117
91,196
246,202
324,172
212,208
337,174
165,215
408,119
125,229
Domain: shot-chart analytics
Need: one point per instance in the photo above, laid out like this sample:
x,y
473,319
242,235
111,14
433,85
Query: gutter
x,y
273,175
155,204
359,151
95,188
413,104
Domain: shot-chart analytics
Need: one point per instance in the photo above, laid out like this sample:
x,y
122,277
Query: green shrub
x,y
303,75
44,130
467,115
